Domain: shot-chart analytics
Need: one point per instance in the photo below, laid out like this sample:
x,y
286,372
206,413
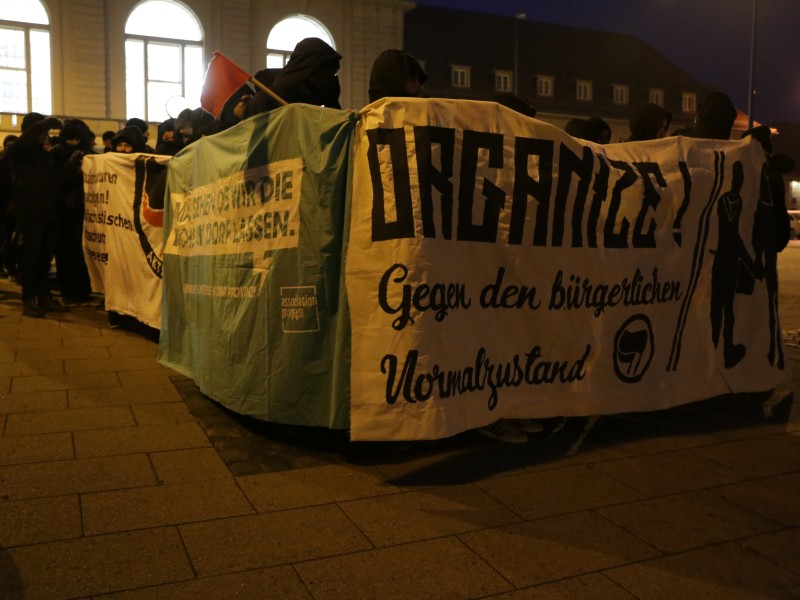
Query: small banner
x,y
499,268
122,232
254,307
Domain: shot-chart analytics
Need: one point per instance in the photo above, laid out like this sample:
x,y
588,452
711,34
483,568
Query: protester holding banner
x,y
715,117
34,200
396,73
649,122
128,140
76,140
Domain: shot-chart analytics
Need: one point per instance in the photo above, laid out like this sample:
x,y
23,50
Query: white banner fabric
x,y
122,231
499,268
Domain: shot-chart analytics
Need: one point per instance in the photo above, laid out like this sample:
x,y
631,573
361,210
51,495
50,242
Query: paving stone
x,y
669,473
414,516
18,450
586,587
148,377
442,569
7,354
142,438
106,339
76,476
39,367
5,385
758,457
62,353
781,547
32,343
772,497
181,466
101,365
121,510
39,520
73,419
557,547
94,565
558,491
41,328
144,394
230,545
317,485
276,583
162,412
42,383
724,572
130,350
685,521
33,401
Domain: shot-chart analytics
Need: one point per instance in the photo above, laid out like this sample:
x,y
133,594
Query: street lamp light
x,y
519,17
752,81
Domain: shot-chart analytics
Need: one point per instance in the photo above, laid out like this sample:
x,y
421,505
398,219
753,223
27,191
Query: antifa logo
x,y
633,349
148,207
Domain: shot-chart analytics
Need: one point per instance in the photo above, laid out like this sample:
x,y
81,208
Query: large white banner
x,y
499,268
122,231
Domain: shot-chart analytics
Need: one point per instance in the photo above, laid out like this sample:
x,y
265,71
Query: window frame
x,y
656,96
689,102
462,70
587,85
33,77
545,86
620,94
502,75
142,90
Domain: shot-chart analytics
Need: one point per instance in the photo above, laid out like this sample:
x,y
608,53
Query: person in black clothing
x,y
309,77
714,118
107,137
396,73
128,140
649,122
35,196
143,127
230,115
76,140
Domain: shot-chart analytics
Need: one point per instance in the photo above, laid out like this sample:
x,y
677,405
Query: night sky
x,y
709,39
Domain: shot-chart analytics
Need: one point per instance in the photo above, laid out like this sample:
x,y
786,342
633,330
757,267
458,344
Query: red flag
x,y
223,78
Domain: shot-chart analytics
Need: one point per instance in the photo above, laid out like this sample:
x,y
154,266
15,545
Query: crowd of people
x,y
41,183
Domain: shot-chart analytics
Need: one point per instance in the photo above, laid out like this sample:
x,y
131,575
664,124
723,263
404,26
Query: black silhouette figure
x,y
765,247
732,270
631,347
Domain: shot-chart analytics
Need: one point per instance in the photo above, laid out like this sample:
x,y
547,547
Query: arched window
x,y
285,35
25,83
163,59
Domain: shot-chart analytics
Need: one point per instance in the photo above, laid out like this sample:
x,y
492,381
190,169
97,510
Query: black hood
x,y
647,120
715,117
310,75
390,72
132,135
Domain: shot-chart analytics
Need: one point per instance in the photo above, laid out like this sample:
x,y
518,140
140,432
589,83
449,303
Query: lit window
x,y
163,60
583,90
25,83
459,76
288,32
503,81
689,103
544,85
620,94
657,96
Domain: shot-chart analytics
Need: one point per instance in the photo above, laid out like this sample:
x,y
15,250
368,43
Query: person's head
x,y
580,129
396,73
310,75
141,124
649,121
602,129
29,121
107,137
715,117
516,103
8,140
128,140
77,135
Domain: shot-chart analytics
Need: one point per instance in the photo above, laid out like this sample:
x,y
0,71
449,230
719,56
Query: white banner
x,y
499,268
122,231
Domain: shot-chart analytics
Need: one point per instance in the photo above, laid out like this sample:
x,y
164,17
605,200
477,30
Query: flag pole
x,y
275,96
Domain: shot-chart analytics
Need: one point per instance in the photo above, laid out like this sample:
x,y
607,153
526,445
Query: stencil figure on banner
x,y
35,196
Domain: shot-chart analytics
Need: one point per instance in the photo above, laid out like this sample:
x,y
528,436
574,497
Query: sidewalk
x,y
118,479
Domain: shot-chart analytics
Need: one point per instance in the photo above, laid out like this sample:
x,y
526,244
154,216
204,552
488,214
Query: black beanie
x,y
31,119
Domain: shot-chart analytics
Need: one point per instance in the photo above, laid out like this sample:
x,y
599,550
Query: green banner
x,y
254,306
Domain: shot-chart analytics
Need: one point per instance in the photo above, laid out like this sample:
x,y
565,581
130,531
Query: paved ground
x,y
118,479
